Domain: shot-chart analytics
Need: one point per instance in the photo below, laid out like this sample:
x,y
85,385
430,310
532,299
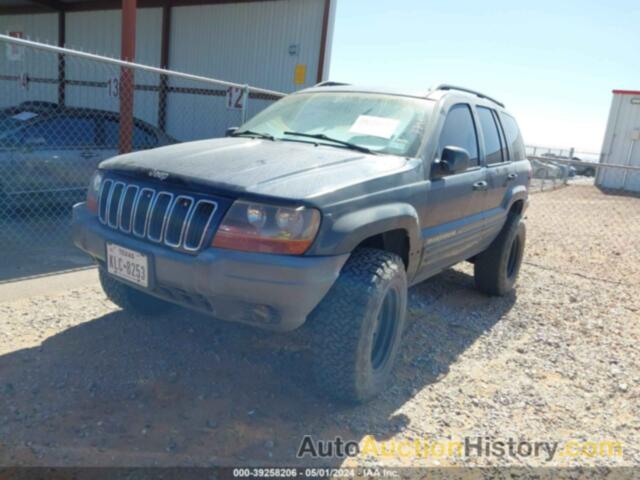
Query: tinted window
x,y
63,131
492,145
459,131
141,137
514,137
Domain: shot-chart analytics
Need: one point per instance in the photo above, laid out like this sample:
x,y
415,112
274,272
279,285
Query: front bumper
x,y
275,292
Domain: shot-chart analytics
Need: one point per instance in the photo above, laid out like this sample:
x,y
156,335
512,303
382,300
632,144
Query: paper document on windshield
x,y
374,126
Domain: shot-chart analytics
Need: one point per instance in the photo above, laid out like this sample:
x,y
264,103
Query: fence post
x,y
245,103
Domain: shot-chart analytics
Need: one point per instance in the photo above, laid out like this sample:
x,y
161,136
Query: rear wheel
x,y
130,299
496,269
357,328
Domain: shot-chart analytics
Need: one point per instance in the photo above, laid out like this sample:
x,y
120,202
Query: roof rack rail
x,y
446,86
331,83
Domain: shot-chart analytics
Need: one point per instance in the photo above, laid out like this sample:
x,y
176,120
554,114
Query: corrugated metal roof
x,y
626,92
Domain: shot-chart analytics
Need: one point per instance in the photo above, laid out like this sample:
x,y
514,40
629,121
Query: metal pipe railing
x,y
138,66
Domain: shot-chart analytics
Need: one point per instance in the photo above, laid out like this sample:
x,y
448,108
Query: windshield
x,y
381,123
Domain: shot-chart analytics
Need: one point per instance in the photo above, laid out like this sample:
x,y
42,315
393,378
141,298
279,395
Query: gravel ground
x,y
83,383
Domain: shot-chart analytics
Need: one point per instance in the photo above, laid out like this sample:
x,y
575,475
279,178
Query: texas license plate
x,y
128,264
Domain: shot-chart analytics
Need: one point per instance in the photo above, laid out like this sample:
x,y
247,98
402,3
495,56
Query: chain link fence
x,y
576,226
62,112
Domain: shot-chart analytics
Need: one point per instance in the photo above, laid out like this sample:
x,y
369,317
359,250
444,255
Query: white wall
x,y
100,32
243,42
43,28
622,144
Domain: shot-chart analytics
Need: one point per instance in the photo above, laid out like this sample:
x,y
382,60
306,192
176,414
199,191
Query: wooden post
x,y
128,53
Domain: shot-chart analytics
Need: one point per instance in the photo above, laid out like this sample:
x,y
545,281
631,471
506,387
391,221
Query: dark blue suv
x,y
324,208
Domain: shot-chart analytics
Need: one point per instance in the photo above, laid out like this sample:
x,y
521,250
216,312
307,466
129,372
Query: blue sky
x,y
554,63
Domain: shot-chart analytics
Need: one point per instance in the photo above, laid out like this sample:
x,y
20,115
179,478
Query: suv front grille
x,y
178,221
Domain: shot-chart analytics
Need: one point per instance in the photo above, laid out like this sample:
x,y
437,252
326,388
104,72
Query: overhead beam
x,y
55,5
113,5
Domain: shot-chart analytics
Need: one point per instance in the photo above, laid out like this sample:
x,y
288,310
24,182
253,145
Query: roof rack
x,y
446,86
331,83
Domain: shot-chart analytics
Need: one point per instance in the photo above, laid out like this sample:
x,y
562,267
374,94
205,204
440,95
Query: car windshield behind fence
x,y
380,123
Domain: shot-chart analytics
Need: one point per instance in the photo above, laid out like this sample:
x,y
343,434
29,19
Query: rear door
x,y
500,175
55,154
452,221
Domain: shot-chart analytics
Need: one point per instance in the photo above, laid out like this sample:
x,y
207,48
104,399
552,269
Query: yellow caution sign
x,y
300,74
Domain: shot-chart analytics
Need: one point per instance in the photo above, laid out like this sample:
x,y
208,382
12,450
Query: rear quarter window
x,y
514,137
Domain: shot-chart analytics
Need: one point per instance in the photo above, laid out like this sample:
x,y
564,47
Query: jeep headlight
x,y
258,227
93,191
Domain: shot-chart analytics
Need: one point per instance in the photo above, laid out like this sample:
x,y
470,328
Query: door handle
x,y
481,185
511,177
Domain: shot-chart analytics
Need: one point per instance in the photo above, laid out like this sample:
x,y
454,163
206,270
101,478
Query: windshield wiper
x,y
322,136
266,136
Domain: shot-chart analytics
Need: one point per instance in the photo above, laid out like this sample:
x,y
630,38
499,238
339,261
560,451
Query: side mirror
x,y
230,131
453,160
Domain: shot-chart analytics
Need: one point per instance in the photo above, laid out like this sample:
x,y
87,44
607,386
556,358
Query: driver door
x,y
453,217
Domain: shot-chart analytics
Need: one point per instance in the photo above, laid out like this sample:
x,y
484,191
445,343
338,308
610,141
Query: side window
x,y
491,135
459,131
514,137
64,132
141,137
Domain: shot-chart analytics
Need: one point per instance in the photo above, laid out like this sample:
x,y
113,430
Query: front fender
x,y
347,231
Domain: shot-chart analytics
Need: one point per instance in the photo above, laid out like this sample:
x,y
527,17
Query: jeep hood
x,y
279,169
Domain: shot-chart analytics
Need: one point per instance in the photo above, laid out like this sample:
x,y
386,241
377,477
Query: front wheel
x,y
357,328
496,269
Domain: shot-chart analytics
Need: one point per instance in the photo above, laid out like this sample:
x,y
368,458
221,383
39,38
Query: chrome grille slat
x,y
136,212
129,212
179,221
214,207
179,198
159,196
116,185
105,191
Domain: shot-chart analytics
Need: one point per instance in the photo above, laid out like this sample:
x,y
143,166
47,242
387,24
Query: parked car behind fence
x,y
48,153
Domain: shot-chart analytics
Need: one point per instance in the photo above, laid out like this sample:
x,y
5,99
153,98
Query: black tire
x,y
496,269
130,299
357,328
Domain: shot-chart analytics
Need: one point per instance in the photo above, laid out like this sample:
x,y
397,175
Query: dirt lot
x,y
82,383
